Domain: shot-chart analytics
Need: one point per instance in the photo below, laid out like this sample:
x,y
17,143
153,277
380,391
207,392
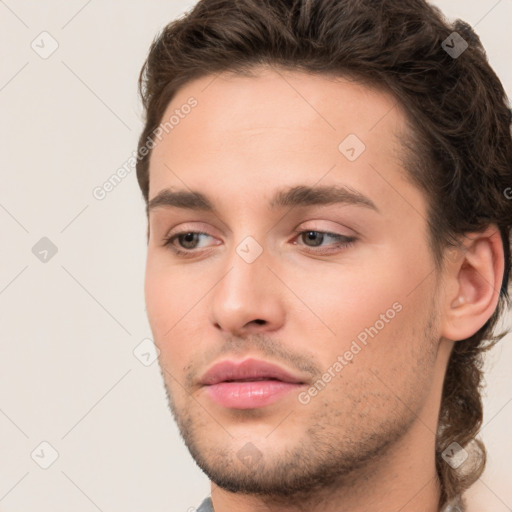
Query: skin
x,y
366,441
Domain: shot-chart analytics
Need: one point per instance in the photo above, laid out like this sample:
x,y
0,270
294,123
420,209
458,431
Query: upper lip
x,y
249,369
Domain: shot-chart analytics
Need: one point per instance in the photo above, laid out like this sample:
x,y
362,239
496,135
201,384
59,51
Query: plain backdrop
x,y
73,374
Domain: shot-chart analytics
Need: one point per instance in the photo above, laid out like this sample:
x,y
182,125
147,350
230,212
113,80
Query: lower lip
x,y
249,394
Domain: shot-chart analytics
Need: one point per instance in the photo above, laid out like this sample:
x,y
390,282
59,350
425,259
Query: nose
x,y
248,296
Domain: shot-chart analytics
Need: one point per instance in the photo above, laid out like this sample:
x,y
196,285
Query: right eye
x,y
187,241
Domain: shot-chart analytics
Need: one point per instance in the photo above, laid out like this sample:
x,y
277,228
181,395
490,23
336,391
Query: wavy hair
x,y
459,152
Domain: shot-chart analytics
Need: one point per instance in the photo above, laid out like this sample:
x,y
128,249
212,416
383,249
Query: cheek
x,y
348,297
375,302
173,303
169,291
164,301
373,364
157,295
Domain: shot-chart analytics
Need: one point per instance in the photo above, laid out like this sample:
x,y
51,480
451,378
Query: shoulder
x,y
206,506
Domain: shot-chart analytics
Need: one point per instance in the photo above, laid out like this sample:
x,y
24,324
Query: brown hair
x,y
459,153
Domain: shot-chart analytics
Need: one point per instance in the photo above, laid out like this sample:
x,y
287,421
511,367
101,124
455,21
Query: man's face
x,y
352,319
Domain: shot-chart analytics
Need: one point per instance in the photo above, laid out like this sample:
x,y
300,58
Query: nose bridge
x,y
244,293
246,271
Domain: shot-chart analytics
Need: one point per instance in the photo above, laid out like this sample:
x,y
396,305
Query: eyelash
x,y
343,242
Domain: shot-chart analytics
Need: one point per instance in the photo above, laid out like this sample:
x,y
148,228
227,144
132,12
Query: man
x,y
328,248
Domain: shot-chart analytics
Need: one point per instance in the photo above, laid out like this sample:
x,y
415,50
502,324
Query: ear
x,y
473,278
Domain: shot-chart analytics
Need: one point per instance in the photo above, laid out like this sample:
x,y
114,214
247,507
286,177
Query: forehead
x,y
275,128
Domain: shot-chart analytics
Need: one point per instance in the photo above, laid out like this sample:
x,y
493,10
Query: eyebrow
x,y
300,195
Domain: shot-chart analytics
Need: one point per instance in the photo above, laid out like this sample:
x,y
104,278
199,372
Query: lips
x,y
249,384
245,371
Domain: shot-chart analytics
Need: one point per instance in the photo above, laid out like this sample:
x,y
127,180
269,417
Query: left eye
x,y
317,237
187,240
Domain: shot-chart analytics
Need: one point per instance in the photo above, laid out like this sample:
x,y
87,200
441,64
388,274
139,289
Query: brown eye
x,y
313,238
185,243
187,240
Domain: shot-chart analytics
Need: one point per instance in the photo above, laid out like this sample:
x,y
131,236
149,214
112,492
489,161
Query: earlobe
x,y
475,280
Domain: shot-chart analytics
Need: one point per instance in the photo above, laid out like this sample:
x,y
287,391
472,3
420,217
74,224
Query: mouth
x,y
249,384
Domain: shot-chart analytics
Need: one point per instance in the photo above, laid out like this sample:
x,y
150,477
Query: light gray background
x,y
68,374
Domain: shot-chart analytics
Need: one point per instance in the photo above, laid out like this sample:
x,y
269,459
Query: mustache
x,y
257,345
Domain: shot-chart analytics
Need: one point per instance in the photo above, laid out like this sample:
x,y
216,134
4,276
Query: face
x,y
308,251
